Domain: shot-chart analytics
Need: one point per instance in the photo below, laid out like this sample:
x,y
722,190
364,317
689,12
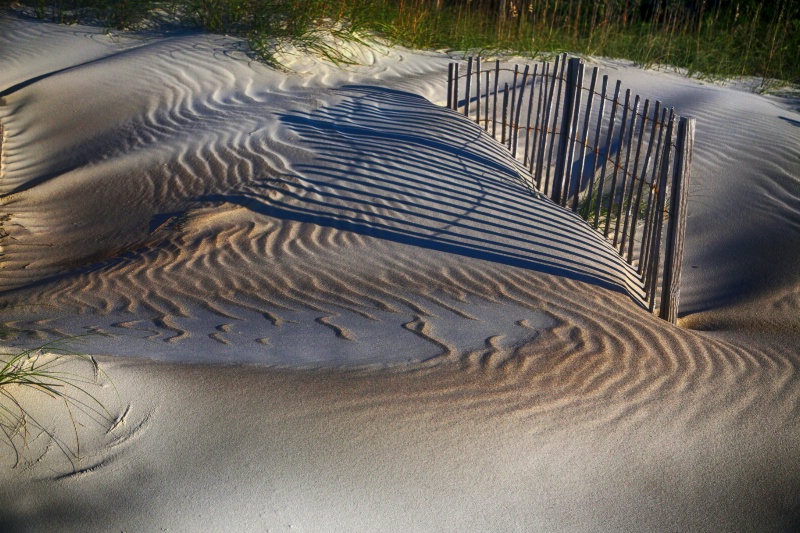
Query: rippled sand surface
x,y
323,302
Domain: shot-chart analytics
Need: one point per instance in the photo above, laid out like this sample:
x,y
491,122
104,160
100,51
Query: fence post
x,y
676,231
576,112
566,128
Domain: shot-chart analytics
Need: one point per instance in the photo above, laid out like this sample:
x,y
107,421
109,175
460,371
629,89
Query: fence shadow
x,y
391,165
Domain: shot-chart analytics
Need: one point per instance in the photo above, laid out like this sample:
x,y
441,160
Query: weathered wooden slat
x,y
512,101
494,108
573,135
645,168
515,129
634,206
455,87
450,86
655,253
600,114
565,133
531,93
486,105
538,131
625,168
467,93
547,133
478,90
676,231
644,254
559,78
620,147
609,139
505,115
585,138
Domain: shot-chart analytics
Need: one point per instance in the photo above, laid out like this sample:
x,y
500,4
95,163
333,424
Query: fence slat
x,y
629,142
644,254
494,108
486,104
609,138
530,112
634,178
585,138
511,103
515,130
450,86
565,132
505,115
455,87
676,231
557,76
478,90
538,132
466,89
572,135
655,254
596,159
617,160
642,181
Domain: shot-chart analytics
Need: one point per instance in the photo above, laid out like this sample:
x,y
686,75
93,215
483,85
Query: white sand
x,y
325,303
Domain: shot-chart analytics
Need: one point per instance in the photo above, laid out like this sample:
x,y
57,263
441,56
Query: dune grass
x,y
51,370
711,38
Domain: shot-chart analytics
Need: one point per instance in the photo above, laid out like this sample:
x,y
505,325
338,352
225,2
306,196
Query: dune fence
x,y
619,162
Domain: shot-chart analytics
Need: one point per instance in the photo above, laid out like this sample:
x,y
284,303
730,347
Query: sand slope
x,y
428,345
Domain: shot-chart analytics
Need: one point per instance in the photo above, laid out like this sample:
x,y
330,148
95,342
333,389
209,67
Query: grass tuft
x,y
51,370
708,38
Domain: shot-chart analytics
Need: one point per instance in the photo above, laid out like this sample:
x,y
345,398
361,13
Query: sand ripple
x,y
220,217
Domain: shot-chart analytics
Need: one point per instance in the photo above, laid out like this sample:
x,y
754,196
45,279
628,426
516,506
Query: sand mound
x,y
237,221
455,352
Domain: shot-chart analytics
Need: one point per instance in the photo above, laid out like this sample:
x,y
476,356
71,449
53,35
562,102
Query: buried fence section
x,y
621,162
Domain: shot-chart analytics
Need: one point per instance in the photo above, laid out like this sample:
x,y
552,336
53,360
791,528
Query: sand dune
x,y
361,315
308,212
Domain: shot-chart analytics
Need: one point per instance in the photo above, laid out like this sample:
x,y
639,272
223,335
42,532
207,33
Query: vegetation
x,y
718,38
50,370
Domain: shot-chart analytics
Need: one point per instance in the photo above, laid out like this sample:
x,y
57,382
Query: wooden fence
x,y
622,164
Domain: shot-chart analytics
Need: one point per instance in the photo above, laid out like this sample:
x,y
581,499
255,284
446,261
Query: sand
x,y
320,301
